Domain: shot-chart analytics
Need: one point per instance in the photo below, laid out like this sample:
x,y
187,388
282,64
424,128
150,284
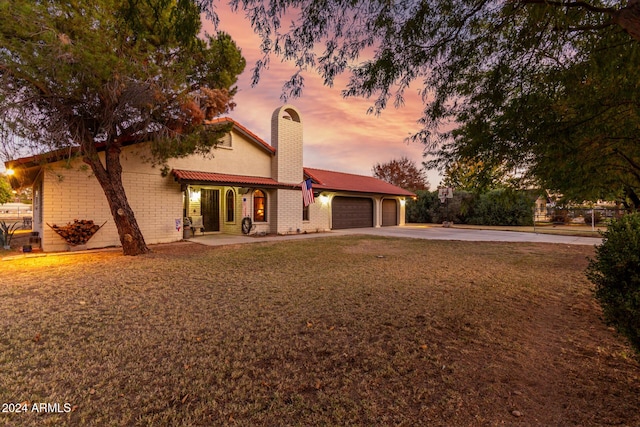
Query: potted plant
x,y
6,233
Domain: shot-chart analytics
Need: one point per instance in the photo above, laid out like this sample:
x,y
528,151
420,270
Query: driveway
x,y
412,232
441,233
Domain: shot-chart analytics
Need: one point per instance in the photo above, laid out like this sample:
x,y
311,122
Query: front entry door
x,y
210,202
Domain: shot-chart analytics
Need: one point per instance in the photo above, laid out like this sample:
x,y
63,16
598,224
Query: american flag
x,y
307,192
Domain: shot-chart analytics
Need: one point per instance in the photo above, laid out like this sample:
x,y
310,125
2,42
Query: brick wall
x,y
319,214
71,193
287,138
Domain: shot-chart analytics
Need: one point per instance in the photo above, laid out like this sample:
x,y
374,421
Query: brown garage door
x,y
351,212
389,212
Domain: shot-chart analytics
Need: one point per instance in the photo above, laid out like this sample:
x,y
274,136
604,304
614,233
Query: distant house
x,y
542,205
244,178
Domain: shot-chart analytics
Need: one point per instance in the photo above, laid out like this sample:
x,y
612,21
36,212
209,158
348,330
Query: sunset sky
x,y
338,133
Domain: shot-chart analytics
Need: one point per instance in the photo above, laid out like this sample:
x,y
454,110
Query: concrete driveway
x,y
441,233
413,232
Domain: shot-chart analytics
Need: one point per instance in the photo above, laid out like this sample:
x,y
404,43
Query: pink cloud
x,y
339,134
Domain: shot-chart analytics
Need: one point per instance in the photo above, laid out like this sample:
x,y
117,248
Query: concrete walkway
x,y
410,231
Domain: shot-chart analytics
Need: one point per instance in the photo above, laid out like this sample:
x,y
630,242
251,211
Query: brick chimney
x,y
286,137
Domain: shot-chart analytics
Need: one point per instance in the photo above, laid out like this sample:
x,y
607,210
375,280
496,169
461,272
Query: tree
x,y
403,173
5,190
574,126
474,176
100,75
546,86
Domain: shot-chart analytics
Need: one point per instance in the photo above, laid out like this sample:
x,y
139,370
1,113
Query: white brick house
x,y
243,177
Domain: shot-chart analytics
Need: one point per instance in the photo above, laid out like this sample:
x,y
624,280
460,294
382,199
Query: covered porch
x,y
215,203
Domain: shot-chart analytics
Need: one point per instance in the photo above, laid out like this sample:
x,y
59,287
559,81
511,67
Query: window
x,y
225,141
231,206
37,203
259,206
305,212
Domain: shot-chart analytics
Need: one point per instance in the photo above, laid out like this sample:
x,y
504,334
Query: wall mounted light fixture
x,y
194,195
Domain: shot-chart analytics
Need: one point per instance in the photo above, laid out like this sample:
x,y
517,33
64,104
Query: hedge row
x,y
497,207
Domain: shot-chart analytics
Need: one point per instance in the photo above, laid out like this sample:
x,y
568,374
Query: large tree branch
x,y
629,18
635,165
19,76
573,4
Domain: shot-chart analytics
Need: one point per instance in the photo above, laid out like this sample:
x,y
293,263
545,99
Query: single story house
x,y
244,177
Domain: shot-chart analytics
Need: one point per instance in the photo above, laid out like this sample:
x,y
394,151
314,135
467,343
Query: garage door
x,y
389,213
351,212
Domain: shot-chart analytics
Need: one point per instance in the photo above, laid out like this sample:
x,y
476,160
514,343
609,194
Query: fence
x,y
577,215
15,210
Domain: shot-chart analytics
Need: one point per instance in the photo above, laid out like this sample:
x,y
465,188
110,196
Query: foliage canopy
x,y
5,190
546,87
104,74
403,173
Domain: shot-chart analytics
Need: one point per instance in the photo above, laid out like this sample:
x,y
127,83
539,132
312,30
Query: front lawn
x,y
350,330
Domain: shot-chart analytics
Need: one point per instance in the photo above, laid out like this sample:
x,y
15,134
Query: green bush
x,y
615,271
457,210
420,209
497,207
503,207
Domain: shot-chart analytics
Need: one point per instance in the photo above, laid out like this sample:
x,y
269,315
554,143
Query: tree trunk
x,y
628,18
633,196
110,179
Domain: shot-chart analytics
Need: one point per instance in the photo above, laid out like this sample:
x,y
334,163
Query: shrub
x,y
615,271
6,233
419,210
504,207
457,210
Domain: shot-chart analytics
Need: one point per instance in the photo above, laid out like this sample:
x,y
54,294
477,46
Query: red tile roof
x,y
323,180
339,181
224,179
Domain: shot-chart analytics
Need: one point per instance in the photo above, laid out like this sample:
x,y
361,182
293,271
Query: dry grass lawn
x,y
332,331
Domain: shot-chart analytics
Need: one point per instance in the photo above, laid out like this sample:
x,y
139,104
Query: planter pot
x,y
26,248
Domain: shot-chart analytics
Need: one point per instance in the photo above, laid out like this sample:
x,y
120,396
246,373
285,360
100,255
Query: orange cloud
x,y
339,134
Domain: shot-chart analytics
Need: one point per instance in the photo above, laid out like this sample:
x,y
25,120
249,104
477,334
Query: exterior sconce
x,y
402,202
194,196
324,199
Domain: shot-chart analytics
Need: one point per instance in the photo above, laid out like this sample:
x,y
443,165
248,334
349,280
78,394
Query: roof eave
x,y
240,181
228,184
362,192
